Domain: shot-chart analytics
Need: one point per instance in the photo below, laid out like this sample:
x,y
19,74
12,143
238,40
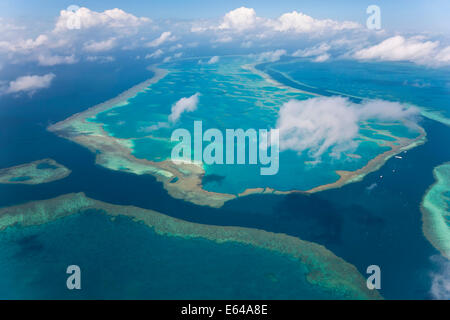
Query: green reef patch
x,y
324,269
36,172
436,210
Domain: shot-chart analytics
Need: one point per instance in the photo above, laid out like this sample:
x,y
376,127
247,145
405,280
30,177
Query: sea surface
x,y
122,259
375,221
231,97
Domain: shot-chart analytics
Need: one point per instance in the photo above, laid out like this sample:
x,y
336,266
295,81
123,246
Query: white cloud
x,y
239,19
443,56
30,84
272,56
23,45
213,60
314,51
322,58
317,124
86,18
165,36
158,53
46,60
105,45
246,19
318,51
115,28
300,23
188,104
69,33
399,48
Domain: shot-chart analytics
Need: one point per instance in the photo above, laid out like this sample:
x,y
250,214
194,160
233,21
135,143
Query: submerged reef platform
x,y
36,172
435,209
324,269
130,133
116,153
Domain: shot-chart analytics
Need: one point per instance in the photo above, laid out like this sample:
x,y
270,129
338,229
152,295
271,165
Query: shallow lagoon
x,y
233,96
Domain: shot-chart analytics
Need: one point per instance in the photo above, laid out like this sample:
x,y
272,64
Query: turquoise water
x,y
231,97
122,259
24,178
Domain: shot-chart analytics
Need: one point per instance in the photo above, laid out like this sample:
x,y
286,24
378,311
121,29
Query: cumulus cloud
x,y
317,124
243,18
239,19
49,60
158,53
314,51
30,84
165,36
84,32
399,48
440,286
213,60
85,18
72,32
318,51
272,56
105,45
188,104
322,58
443,56
301,23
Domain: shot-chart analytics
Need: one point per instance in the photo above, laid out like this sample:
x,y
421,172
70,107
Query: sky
x,y
401,15
48,33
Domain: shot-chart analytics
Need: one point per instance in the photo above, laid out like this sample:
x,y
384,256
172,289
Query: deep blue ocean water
x,y
378,226
230,97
